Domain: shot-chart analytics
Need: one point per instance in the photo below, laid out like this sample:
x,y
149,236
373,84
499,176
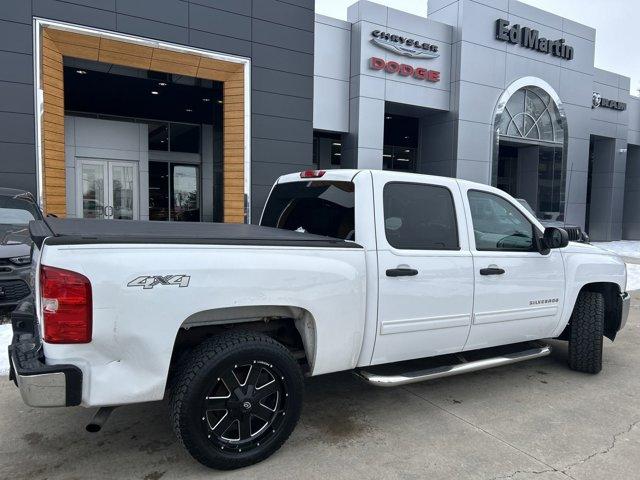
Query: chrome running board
x,y
450,370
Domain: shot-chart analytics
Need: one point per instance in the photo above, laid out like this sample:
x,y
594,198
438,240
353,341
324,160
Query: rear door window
x,y
420,217
318,207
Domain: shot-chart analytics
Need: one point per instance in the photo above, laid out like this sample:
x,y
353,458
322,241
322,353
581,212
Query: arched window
x,y
532,115
530,146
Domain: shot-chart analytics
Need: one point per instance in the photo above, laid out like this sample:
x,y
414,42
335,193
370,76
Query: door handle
x,y
491,271
108,211
402,272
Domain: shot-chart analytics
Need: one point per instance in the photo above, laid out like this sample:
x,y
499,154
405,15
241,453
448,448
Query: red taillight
x,y
312,173
66,306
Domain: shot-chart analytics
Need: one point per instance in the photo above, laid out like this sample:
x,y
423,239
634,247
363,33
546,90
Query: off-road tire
x,y
587,331
194,377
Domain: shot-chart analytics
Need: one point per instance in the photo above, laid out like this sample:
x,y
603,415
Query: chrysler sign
x,y
530,38
402,45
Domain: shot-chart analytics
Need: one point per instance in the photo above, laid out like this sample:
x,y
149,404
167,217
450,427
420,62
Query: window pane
x,y
336,152
535,106
185,138
505,119
499,225
158,136
420,217
123,191
93,190
185,201
546,128
404,159
158,191
323,208
387,158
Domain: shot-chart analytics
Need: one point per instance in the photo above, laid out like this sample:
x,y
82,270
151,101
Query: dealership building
x,y
174,110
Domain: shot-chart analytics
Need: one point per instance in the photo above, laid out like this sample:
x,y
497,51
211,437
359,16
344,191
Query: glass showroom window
x,y
174,186
530,150
532,114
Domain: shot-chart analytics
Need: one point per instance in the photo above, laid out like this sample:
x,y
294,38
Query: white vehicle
x,y
363,270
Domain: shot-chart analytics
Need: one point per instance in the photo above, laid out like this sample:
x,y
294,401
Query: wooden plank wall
x,y
53,128
57,44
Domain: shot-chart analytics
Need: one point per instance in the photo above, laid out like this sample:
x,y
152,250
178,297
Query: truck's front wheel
x,y
236,399
587,330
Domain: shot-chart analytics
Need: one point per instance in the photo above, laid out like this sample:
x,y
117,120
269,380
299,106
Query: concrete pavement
x,y
531,420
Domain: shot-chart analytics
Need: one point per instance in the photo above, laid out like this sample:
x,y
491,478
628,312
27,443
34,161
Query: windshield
x,y
17,210
319,207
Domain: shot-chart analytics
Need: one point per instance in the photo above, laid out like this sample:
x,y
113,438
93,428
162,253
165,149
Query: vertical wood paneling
x,y
56,44
52,134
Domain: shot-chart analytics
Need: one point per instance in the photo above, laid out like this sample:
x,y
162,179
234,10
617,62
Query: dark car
x,y
575,232
17,209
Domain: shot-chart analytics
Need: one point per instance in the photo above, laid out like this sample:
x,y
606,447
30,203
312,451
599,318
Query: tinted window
x,y
322,208
499,225
420,217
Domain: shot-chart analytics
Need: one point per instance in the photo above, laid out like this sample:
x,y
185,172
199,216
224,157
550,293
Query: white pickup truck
x,y
349,270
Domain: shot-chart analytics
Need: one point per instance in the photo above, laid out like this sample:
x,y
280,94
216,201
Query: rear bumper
x,y
624,309
40,385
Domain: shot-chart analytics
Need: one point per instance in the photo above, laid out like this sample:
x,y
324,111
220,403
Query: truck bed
x,y
76,231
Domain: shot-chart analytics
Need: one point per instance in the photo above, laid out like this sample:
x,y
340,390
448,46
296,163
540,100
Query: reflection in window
x,y
322,208
173,192
419,217
174,137
531,113
184,138
499,225
327,150
399,158
159,136
158,191
185,204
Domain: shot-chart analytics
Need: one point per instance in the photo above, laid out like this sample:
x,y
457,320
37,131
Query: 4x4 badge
x,y
150,281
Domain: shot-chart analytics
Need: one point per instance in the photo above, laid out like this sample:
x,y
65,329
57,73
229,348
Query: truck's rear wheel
x,y
236,399
587,330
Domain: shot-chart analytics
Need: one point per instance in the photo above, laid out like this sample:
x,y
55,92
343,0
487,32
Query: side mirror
x,y
554,237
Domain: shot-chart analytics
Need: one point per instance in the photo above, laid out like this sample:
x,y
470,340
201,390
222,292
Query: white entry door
x,y
107,189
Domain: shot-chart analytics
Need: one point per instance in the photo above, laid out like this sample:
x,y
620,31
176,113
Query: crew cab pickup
x,y
348,270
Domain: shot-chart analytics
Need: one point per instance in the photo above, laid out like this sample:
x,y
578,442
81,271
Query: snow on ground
x,y
633,276
5,339
626,248
629,249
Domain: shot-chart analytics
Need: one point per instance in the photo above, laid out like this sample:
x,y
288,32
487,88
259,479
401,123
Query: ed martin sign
x,y
530,38
406,46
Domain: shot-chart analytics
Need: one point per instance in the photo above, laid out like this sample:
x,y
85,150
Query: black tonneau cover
x,y
76,231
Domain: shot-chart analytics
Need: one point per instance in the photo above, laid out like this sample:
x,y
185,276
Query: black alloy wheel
x,y
245,406
235,399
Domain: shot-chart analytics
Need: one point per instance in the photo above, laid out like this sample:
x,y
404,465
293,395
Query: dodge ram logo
x,y
150,281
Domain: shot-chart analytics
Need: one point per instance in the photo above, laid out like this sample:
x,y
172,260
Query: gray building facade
x,y
493,91
521,108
